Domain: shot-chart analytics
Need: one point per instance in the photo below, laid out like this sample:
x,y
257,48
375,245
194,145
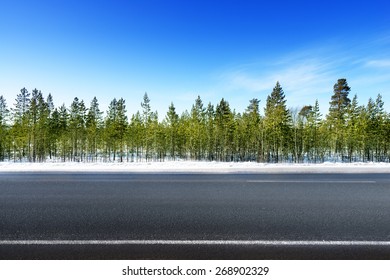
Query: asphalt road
x,y
194,216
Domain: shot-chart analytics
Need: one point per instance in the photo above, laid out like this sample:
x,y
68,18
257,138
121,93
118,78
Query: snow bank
x,y
197,167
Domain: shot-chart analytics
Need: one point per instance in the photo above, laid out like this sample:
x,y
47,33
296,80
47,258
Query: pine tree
x,y
297,126
22,104
94,124
116,128
4,115
153,137
316,121
146,109
63,129
135,134
111,134
376,130
146,122
172,120
225,126
340,100
149,120
20,127
50,103
386,138
337,113
252,133
4,112
183,137
312,122
121,126
36,129
33,115
381,121
77,129
241,141
38,125
54,133
43,128
210,132
53,116
196,128
161,140
307,140
276,121
352,138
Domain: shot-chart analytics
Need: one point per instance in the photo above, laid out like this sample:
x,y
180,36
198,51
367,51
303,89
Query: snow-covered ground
x,y
197,167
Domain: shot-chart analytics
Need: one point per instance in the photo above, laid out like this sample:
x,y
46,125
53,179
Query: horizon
x,y
176,51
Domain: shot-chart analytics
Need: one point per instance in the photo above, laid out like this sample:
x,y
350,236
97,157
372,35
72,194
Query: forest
x,y
34,130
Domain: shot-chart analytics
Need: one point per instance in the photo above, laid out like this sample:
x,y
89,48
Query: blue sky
x,y
177,50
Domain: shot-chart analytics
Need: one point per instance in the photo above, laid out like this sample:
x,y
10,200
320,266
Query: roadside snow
x,y
197,167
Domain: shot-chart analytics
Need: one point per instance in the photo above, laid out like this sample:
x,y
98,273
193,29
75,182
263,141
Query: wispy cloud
x,y
379,63
303,79
309,74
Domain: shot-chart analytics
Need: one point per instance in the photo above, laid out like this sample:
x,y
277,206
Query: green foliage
x,y
77,130
35,130
337,115
250,136
4,129
171,128
94,129
116,126
276,125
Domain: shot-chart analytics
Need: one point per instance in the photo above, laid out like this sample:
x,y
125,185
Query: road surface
x,y
194,216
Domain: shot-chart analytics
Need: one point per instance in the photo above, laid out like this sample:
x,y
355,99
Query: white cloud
x,y
380,63
310,74
303,80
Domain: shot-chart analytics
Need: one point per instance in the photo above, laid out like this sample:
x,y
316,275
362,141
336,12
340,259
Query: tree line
x,y
35,130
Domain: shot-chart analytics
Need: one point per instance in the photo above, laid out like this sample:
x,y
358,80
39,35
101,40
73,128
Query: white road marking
x,y
311,181
198,242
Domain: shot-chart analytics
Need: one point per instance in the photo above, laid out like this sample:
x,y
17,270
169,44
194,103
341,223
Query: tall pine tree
x,y
337,113
172,120
4,115
94,124
276,122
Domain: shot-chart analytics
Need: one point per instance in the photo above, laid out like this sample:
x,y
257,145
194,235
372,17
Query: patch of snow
x,y
196,167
